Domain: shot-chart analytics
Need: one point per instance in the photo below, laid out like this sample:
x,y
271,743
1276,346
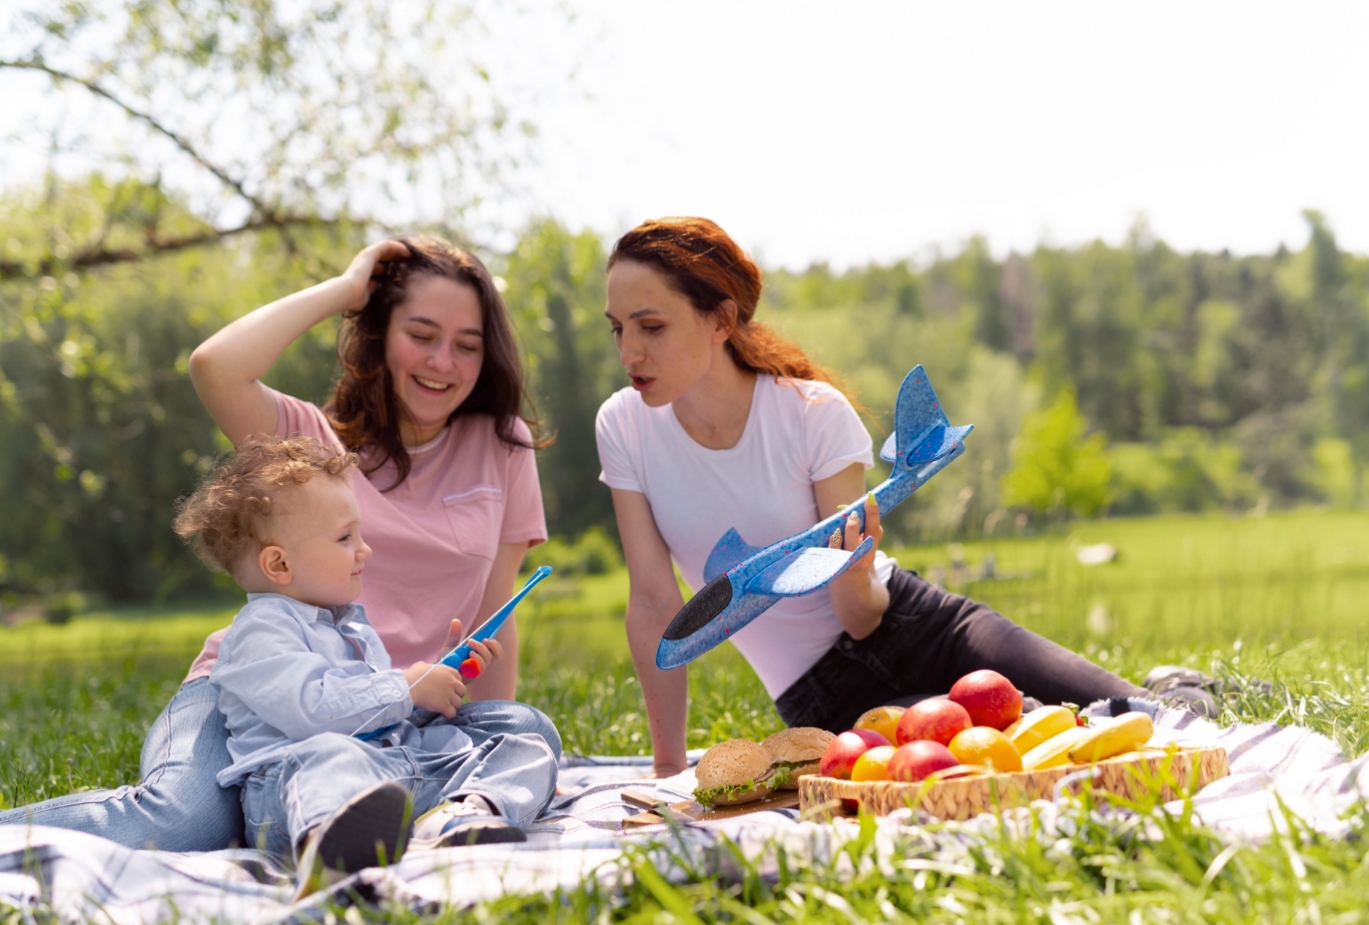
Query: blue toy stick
x,y
455,657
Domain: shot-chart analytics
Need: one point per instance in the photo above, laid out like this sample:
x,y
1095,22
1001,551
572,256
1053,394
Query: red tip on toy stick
x,y
470,668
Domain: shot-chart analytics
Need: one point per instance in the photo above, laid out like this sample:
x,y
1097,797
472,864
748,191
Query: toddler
x,y
332,758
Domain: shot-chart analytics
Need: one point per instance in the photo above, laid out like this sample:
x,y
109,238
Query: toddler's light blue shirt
x,y
289,670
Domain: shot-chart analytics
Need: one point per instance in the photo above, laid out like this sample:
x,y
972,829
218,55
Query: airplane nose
x,y
711,600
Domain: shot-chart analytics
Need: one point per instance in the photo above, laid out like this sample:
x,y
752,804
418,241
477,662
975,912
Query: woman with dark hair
x,y
729,425
429,396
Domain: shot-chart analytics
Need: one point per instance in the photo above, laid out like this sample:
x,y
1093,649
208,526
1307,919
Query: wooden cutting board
x,y
657,811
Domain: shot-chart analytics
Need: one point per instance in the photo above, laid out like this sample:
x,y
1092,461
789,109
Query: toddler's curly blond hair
x,y
226,516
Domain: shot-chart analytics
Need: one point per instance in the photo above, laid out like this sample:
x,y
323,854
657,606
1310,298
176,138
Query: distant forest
x,y
1102,379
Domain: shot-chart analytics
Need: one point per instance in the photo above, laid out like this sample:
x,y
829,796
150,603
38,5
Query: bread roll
x,y
733,772
797,751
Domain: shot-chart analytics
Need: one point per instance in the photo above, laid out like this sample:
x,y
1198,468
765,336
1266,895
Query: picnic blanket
x,y
578,841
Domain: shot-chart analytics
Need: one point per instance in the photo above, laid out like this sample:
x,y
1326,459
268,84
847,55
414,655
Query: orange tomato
x,y
874,764
986,745
883,720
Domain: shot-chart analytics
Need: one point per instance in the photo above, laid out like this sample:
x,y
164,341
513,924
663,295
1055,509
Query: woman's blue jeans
x,y
179,805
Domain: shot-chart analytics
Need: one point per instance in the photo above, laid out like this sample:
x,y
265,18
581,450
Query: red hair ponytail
x,y
699,261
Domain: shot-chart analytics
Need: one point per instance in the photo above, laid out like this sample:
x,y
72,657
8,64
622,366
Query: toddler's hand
x,y
482,654
453,636
441,691
488,651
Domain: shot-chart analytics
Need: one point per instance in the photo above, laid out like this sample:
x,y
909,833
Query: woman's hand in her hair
x,y
228,367
360,273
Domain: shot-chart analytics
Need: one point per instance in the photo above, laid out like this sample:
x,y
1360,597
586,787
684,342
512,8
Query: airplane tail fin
x,y
730,550
922,433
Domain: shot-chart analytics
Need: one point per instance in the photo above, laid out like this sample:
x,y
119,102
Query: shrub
x,y
593,553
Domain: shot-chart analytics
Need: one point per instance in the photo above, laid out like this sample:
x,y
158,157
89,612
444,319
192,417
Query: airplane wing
x,y
889,451
806,571
938,442
935,443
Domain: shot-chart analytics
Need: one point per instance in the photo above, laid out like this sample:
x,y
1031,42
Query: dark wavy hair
x,y
364,410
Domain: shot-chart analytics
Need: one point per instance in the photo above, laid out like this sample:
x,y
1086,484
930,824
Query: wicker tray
x,y
963,797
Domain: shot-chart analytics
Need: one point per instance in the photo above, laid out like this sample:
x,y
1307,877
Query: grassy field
x,y
1281,598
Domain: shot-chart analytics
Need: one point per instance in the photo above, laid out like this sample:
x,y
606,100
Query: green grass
x,y
116,635
1184,582
1278,598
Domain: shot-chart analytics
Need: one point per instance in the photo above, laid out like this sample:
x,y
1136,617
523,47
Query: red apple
x,y
874,739
989,698
935,720
841,753
914,761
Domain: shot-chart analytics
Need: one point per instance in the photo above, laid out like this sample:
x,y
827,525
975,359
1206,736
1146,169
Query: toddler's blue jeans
x,y
283,801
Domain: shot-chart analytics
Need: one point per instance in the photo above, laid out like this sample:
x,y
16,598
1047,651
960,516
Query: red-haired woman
x,y
728,425
429,395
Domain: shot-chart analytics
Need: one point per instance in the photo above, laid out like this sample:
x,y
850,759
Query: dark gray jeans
x,y
928,639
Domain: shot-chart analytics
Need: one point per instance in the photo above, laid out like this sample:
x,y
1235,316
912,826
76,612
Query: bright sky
x,y
876,130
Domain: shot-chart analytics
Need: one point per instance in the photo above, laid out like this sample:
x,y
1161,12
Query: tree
x,y
980,279
100,430
556,290
1054,466
1343,321
250,115
1089,334
195,159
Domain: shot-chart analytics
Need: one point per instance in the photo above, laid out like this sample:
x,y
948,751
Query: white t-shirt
x,y
798,433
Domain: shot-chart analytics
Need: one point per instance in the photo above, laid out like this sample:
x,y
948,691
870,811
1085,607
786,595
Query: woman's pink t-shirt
x,y
434,537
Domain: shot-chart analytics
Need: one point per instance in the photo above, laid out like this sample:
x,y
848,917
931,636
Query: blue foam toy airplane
x,y
744,581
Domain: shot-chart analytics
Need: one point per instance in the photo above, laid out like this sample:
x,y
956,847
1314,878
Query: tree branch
x,y
100,256
34,64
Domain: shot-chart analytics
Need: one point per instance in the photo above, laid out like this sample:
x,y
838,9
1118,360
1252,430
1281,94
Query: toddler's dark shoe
x,y
370,829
